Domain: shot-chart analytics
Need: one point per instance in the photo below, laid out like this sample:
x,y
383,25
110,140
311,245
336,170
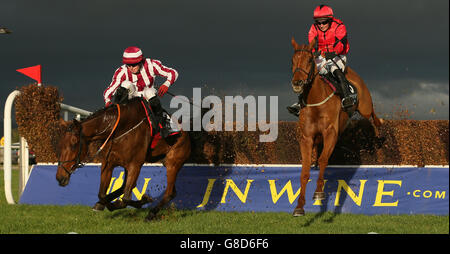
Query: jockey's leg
x,y
158,112
348,94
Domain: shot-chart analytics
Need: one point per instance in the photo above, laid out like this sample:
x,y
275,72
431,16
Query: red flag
x,y
33,72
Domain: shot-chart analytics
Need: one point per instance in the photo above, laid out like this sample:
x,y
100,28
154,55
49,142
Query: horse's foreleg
x,y
105,179
329,141
306,146
127,188
115,194
119,204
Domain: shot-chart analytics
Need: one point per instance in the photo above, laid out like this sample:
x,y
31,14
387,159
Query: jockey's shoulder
x,y
154,61
337,21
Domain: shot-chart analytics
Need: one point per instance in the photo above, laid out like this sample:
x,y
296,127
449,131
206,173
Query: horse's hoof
x,y
319,196
98,207
146,199
150,217
119,204
298,212
110,207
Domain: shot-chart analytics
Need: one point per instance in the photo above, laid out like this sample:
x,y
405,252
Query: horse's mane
x,y
103,110
303,46
96,113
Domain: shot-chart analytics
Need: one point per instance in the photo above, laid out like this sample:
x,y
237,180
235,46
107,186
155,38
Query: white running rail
x,y
23,159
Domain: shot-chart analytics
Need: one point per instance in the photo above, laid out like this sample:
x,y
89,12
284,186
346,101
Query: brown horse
x,y
323,119
126,136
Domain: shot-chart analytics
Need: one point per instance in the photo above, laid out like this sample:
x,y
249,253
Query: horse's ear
x,y
76,122
312,44
294,43
63,123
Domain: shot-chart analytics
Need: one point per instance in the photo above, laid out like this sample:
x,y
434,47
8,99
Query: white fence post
x,y
7,147
24,167
24,156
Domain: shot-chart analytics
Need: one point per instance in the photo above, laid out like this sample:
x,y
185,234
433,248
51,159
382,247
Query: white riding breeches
x,y
329,66
147,93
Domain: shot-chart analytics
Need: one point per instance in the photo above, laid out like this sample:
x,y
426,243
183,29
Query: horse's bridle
x,y
311,74
78,163
77,159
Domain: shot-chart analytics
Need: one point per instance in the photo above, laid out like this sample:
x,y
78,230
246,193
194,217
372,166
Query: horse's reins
x,y
78,162
311,77
310,74
130,130
112,131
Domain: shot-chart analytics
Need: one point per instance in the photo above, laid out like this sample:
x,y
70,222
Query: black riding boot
x,y
160,118
296,107
348,97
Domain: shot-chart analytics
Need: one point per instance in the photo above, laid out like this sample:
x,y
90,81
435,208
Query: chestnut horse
x,y
323,119
126,136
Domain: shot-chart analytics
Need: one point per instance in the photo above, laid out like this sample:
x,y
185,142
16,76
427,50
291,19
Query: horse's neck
x,y
99,126
102,125
319,90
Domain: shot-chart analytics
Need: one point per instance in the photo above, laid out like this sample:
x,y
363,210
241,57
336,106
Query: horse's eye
x,y
73,140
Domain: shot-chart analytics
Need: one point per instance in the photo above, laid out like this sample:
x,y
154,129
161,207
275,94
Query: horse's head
x,y
69,152
303,66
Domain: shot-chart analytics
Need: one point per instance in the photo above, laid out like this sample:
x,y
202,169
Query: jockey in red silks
x,y
137,76
331,50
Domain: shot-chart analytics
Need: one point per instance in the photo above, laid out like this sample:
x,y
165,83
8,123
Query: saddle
x,y
153,122
157,130
159,122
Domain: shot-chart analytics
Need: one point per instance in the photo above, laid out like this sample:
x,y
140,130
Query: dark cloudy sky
x,y
234,47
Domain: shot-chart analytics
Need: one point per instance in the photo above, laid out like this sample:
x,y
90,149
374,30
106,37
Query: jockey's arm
x,y
341,36
118,78
170,74
312,34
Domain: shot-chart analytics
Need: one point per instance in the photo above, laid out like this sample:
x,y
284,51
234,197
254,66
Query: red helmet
x,y
132,55
323,11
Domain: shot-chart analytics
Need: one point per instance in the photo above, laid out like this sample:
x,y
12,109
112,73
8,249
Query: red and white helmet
x,y
323,11
132,55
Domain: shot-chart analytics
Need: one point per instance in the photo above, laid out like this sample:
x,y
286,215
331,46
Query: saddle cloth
x,y
333,82
155,126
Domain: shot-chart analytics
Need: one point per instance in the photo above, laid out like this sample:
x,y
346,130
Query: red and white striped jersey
x,y
146,77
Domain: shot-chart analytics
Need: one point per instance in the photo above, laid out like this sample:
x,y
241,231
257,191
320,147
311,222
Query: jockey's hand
x,y
330,55
162,90
108,104
317,53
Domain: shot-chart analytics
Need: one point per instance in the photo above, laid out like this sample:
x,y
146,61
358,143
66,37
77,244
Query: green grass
x,y
34,219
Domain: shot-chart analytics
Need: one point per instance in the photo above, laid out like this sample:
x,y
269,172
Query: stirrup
x,y
350,100
294,109
164,132
347,104
167,129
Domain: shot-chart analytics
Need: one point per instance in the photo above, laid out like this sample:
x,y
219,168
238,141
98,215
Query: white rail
x,y
78,111
23,155
7,146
